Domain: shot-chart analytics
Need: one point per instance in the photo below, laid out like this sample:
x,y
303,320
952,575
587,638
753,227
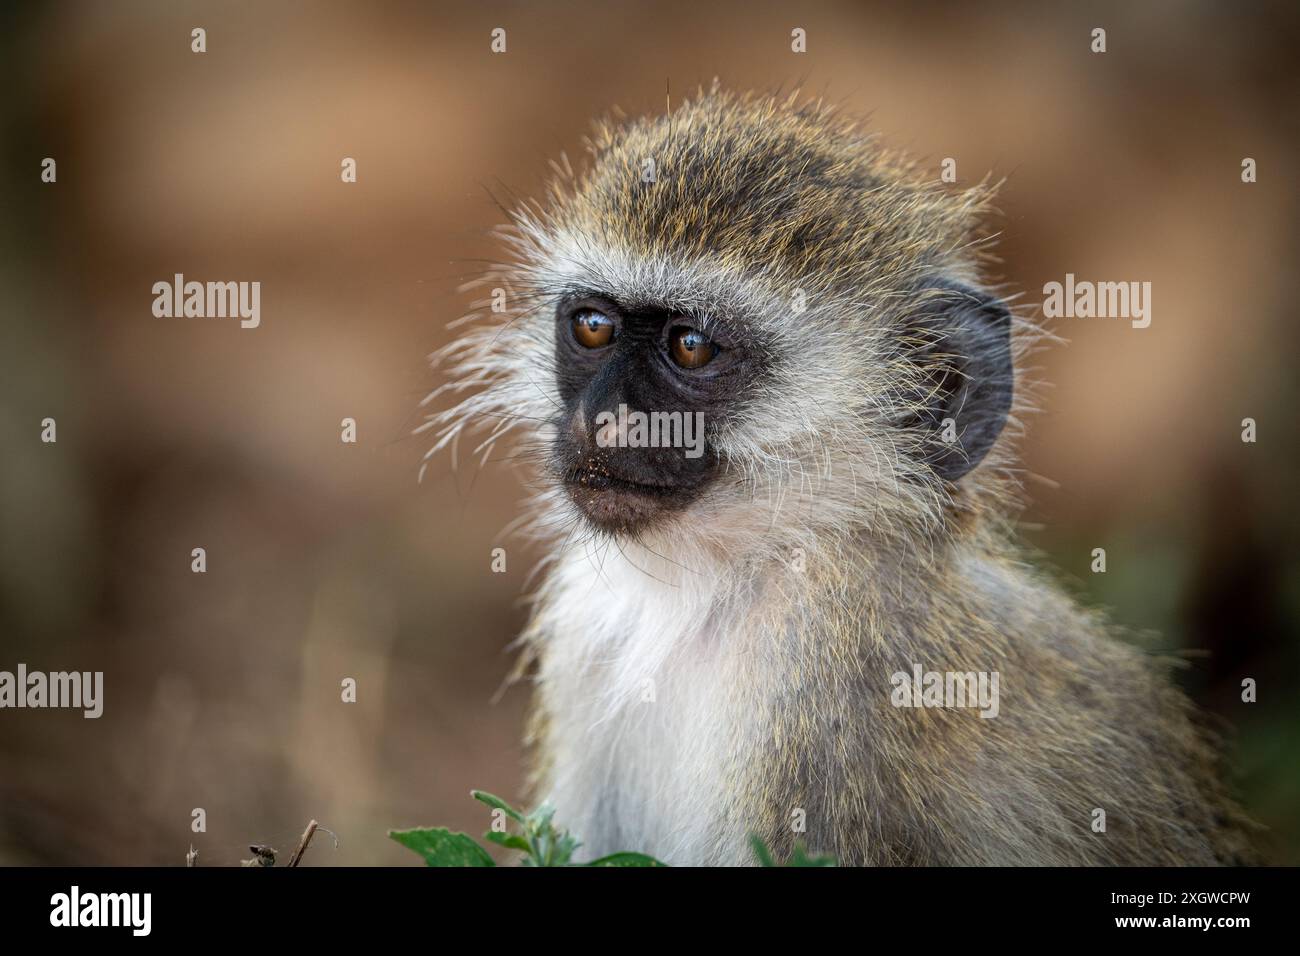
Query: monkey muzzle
x,y
624,487
623,500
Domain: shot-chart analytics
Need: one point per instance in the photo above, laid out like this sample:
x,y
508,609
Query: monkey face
x,y
777,336
641,389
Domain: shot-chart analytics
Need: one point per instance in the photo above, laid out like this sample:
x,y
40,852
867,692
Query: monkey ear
x,y
962,340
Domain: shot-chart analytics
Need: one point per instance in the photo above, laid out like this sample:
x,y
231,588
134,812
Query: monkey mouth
x,y
623,505
602,481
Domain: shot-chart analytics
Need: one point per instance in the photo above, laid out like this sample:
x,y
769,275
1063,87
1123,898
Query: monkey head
x,y
763,272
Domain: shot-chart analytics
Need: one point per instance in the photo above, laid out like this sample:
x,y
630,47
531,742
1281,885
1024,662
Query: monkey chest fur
x,y
649,718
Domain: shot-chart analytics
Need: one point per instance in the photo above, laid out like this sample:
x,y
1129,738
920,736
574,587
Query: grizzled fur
x,y
727,671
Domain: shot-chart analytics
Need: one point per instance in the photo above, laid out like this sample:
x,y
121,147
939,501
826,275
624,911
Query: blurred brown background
x,y
327,560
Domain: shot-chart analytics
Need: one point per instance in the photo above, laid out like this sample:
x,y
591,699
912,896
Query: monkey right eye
x,y
593,329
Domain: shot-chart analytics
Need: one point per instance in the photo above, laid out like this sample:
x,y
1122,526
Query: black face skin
x,y
651,360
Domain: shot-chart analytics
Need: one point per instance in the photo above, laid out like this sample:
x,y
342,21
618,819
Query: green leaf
x,y
625,859
800,857
540,819
441,847
496,803
508,840
565,845
760,850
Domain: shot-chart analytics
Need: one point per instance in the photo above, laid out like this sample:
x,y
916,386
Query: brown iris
x,y
593,329
690,348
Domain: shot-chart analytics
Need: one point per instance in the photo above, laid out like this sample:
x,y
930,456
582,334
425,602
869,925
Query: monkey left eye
x,y
593,329
691,348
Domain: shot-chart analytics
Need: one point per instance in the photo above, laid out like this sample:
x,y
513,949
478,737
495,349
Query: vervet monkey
x,y
717,642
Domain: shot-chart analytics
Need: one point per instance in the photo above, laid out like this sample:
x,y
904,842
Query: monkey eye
x,y
592,329
690,348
